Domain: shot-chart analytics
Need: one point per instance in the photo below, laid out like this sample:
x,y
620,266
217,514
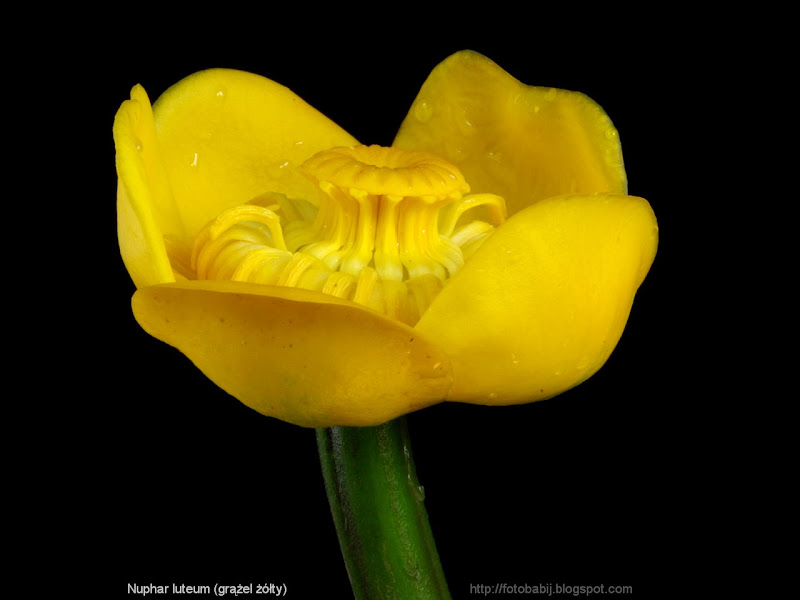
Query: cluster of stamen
x,y
387,234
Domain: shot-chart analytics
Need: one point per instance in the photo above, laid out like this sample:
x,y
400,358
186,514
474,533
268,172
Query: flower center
x,y
388,232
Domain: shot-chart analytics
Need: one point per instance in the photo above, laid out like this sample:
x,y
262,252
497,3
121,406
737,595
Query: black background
x,y
190,486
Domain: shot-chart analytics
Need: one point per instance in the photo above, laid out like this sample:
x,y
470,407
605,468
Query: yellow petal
x,y
145,208
228,136
302,357
522,142
541,305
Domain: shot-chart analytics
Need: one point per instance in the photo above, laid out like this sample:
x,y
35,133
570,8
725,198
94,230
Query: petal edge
x,y
228,136
523,142
145,210
296,355
541,305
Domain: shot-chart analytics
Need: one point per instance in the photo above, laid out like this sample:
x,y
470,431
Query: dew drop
x,y
221,93
495,155
419,492
423,111
466,127
194,161
455,152
139,145
277,170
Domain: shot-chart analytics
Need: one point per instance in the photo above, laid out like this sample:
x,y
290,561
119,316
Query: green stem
x,y
377,506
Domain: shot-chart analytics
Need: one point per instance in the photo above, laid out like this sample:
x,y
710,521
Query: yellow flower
x,y
327,283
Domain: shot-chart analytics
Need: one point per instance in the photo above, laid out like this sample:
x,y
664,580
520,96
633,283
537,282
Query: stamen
x,y
298,265
398,303
340,285
227,259
470,237
250,213
387,232
262,265
367,279
495,204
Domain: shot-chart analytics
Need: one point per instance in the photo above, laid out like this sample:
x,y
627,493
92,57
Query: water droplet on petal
x,y
419,492
455,151
423,111
194,161
139,145
277,170
495,155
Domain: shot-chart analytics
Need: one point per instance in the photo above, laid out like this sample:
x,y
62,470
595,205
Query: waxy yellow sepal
x,y
145,208
524,143
214,140
228,136
303,357
541,305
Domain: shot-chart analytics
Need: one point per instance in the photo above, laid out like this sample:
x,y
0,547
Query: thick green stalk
x,y
377,505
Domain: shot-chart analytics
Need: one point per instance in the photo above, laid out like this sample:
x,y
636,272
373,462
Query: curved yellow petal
x,y
300,356
228,136
541,305
145,208
522,142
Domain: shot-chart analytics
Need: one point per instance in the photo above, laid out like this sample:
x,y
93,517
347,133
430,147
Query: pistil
x,y
387,257
388,233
